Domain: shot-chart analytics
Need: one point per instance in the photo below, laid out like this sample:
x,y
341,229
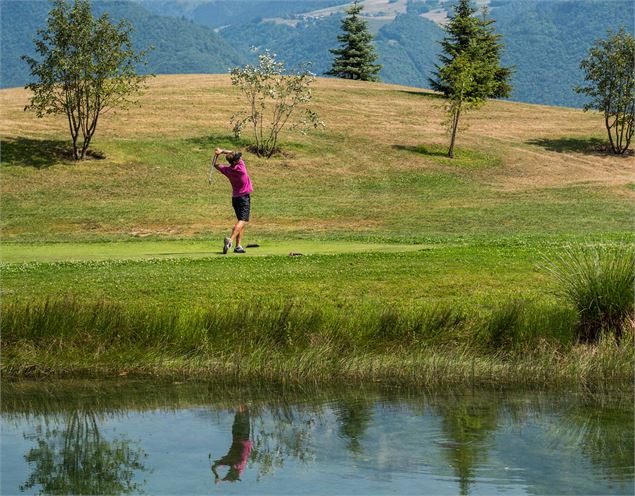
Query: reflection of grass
x,y
575,145
463,157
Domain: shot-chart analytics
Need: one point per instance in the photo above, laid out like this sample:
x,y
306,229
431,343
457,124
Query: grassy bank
x,y
515,344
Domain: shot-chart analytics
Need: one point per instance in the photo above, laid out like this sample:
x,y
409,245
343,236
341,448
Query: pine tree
x,y
354,60
470,70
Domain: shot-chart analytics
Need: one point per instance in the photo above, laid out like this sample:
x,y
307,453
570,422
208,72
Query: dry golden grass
x,y
379,115
370,128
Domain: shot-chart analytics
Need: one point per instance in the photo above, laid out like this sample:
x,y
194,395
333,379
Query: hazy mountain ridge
x,y
545,40
179,45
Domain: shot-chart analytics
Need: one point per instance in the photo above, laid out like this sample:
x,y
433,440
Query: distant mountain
x,y
308,41
180,46
217,13
545,39
408,49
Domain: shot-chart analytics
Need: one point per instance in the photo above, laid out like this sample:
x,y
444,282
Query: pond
x,y
193,438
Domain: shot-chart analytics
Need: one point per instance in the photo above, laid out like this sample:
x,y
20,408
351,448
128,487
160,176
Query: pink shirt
x,y
244,456
238,177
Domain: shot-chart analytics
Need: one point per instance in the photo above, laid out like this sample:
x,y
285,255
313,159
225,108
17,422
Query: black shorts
x,y
242,207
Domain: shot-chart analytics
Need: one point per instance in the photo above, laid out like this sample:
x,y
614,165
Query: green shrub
x,y
503,327
598,282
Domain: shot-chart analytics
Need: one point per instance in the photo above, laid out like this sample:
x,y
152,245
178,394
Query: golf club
x,y
211,171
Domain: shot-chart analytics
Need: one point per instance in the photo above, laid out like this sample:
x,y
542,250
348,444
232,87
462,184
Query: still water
x,y
131,437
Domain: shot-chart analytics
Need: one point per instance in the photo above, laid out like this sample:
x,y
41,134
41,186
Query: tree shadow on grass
x,y
211,141
28,152
587,146
422,93
429,150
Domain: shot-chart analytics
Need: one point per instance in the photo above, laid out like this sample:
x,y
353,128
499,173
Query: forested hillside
x,y
180,46
409,49
545,39
217,13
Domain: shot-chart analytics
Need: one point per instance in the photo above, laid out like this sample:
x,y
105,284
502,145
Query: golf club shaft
x,y
209,178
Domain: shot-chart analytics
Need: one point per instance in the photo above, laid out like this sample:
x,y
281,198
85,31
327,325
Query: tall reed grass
x,y
515,343
598,281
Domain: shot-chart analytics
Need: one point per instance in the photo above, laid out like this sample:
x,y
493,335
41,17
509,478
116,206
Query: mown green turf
x,y
160,188
144,249
462,274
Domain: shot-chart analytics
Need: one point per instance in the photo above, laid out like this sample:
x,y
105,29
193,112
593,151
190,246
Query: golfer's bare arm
x,y
218,152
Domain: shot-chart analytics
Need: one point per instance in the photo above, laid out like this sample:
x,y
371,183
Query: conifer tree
x,y
470,70
356,56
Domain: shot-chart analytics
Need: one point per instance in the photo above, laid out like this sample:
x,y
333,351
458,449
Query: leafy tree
x,y
86,67
354,60
272,97
608,69
470,70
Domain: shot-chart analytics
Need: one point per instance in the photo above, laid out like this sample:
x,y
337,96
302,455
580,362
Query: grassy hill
x,y
377,171
388,225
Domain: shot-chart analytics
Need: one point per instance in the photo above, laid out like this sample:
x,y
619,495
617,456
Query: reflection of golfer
x,y
238,454
241,201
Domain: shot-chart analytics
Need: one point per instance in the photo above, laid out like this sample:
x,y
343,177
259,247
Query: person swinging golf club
x,y
236,172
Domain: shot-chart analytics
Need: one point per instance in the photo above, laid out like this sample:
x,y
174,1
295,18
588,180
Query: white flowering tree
x,y
275,99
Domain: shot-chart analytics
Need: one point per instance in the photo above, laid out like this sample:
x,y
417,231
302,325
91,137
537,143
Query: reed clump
x,y
516,343
598,281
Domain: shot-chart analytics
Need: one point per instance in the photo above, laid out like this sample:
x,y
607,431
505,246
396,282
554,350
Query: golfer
x,y
236,172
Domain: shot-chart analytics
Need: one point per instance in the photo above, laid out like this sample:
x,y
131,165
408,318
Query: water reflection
x,y
238,454
353,417
599,431
76,459
69,438
283,431
468,422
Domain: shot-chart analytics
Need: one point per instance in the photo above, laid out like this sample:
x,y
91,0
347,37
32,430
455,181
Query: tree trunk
x,y
74,132
75,154
609,131
84,148
455,125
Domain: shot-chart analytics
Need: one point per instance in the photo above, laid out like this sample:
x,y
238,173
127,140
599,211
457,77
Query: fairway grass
x,y
461,275
376,171
146,249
